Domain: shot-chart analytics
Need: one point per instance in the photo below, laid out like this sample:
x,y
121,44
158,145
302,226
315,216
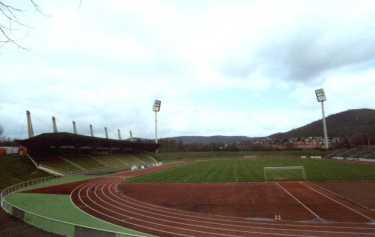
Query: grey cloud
x,y
306,53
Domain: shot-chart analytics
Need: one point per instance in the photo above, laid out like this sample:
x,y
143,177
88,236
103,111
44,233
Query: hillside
x,y
343,124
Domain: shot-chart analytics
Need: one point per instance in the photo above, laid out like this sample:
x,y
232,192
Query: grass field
x,y
244,170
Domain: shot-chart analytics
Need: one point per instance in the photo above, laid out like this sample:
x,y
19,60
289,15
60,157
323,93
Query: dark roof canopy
x,y
47,141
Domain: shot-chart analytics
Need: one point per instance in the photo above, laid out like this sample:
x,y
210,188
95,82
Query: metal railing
x,y
20,186
49,224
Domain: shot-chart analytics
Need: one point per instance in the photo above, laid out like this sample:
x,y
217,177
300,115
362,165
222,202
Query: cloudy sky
x,y
219,67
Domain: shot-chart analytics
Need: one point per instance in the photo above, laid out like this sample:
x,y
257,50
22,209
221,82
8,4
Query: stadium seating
x,y
75,163
83,161
58,164
362,152
67,153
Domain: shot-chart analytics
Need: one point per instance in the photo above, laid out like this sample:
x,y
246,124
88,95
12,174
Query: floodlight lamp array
x,y
156,107
320,95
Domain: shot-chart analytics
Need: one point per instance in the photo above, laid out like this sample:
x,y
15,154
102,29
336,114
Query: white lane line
x,y
340,203
341,196
150,222
338,225
153,211
137,212
299,201
135,218
94,217
122,220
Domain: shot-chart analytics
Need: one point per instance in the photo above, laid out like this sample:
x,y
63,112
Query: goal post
x,y
278,173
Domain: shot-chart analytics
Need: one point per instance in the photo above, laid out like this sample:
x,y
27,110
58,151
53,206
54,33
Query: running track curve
x,y
101,198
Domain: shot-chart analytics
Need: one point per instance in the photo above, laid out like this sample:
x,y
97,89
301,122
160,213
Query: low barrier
x,y
48,224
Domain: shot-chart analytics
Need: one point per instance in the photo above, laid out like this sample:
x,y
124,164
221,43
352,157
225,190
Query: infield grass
x,y
41,207
246,170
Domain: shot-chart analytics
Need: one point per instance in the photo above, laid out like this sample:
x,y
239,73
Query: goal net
x,y
284,173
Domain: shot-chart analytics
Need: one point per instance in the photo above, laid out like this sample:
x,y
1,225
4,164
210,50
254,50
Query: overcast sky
x,y
219,67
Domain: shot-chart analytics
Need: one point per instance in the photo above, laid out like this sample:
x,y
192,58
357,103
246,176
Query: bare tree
x,y
10,19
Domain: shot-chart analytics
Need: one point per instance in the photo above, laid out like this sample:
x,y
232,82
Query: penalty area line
x,y
299,201
339,203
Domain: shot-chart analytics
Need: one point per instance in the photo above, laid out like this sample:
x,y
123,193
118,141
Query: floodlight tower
x,y
321,97
130,134
156,109
30,130
91,130
54,125
74,127
106,132
119,134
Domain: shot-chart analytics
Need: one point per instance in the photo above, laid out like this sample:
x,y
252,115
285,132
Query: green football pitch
x,y
246,170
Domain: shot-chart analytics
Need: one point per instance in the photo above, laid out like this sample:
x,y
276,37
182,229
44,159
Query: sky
x,y
219,67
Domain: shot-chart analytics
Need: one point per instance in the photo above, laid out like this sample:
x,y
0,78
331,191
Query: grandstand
x,y
356,153
65,153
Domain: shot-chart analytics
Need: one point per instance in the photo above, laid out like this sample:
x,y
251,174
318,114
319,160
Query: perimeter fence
x,y
49,224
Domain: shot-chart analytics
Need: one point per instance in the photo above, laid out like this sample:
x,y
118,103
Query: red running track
x,y
102,198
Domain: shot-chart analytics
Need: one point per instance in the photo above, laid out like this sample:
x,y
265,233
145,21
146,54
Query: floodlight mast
x,y
156,109
30,130
321,97
74,127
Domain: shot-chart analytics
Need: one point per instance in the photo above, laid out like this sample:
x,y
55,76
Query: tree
x,y
10,18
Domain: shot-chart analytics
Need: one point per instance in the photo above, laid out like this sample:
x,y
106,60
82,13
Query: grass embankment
x,y
233,169
15,169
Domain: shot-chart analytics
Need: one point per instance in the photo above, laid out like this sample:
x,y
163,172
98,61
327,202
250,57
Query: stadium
x,y
93,186
246,143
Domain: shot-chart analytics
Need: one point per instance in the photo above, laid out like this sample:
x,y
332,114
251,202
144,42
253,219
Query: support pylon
x,y
74,127
30,130
91,130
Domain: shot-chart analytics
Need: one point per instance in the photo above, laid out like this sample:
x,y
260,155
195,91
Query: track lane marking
x,y
262,232
340,203
194,214
151,222
182,223
341,196
154,211
124,221
300,202
94,217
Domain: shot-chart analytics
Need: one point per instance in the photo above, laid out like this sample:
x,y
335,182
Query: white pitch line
x,y
253,226
341,196
137,212
151,222
300,202
340,203
223,218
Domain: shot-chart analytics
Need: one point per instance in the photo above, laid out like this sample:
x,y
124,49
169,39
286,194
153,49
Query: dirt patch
x,y
325,206
250,200
362,192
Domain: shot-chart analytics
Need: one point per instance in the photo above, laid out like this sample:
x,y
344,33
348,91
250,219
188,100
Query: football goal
x,y
278,173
